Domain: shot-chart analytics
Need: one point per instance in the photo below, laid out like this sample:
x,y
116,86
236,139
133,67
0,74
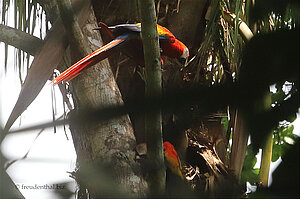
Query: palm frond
x,y
23,16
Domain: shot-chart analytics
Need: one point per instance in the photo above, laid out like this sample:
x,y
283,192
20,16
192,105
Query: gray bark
x,y
106,143
20,39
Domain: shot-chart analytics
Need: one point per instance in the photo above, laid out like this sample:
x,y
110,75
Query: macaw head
x,y
172,160
167,145
185,55
184,52
170,151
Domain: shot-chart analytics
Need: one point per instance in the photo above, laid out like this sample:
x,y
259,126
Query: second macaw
x,y
172,160
126,37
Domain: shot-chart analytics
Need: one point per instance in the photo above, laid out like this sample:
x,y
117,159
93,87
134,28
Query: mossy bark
x,y
153,88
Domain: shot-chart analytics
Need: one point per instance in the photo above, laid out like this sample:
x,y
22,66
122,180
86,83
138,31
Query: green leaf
x,y
250,176
283,139
276,152
224,122
248,172
288,131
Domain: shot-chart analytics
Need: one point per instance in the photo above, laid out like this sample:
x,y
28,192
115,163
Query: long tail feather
x,y
89,60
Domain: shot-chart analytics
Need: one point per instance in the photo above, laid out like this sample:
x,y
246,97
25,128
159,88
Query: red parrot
x,y
172,160
126,37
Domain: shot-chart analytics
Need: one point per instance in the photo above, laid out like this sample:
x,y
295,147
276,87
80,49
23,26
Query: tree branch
x,y
153,88
244,30
71,24
240,133
20,39
50,7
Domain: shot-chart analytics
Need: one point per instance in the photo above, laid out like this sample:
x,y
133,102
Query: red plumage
x,y
125,37
172,160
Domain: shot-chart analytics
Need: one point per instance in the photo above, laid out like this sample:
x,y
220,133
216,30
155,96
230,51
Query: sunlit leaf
x,y
283,140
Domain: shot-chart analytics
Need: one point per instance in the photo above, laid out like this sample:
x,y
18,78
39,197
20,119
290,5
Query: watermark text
x,y
43,186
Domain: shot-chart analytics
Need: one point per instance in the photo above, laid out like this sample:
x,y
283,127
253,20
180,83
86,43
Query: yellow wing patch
x,y
162,31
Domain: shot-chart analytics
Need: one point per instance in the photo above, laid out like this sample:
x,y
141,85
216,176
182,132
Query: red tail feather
x,y
89,60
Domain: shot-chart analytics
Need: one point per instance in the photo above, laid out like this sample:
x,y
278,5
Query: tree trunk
x,y
239,144
266,156
105,148
153,88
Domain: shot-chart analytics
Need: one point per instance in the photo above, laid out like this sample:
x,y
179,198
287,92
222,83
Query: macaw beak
x,y
183,61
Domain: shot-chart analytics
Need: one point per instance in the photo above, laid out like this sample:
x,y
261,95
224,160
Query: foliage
x,y
283,136
280,11
283,139
284,90
285,178
224,122
248,172
27,16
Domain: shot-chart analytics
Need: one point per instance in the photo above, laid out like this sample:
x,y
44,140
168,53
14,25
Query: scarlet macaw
x,y
126,37
172,160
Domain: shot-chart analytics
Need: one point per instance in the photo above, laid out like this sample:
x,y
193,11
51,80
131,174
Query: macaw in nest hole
x,y
172,160
126,38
